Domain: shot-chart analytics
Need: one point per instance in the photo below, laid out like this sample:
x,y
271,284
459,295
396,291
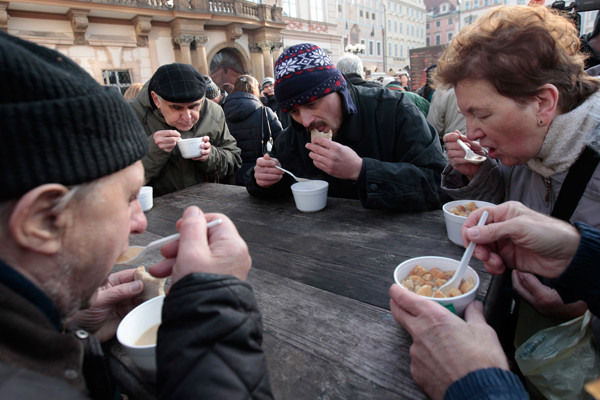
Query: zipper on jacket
x,y
548,183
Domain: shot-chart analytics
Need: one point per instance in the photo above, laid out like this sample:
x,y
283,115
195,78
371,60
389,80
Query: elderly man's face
x,y
98,234
322,114
181,116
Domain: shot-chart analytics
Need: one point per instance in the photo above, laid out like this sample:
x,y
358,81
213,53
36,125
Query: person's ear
x,y
547,100
35,223
155,98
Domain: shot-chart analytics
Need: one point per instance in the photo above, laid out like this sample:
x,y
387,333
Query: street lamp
x,y
383,33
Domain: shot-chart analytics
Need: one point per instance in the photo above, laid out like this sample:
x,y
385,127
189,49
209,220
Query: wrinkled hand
x,y
205,152
519,238
544,299
445,348
456,155
166,140
265,172
114,300
219,250
335,159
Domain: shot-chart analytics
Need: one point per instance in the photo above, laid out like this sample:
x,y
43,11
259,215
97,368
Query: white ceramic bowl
x,y
455,304
190,148
310,196
131,328
455,222
145,198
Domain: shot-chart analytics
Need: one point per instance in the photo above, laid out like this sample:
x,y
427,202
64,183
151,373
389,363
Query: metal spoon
x,y
137,252
293,176
464,262
470,156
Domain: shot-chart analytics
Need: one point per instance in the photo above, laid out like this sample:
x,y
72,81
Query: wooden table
x,y
322,282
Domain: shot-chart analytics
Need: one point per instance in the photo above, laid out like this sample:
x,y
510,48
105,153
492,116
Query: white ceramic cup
x,y
455,304
131,328
310,196
190,148
145,198
455,222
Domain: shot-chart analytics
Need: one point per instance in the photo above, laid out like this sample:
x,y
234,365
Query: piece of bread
x,y
315,134
152,286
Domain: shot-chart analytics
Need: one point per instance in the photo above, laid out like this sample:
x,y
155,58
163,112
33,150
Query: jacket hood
x,y
239,106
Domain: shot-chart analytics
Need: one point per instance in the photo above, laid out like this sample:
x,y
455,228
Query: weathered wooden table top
x,y
322,282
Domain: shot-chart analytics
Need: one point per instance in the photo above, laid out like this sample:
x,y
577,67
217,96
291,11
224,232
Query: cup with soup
x,y
137,333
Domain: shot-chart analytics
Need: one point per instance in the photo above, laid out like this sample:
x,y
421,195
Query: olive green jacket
x,y
167,172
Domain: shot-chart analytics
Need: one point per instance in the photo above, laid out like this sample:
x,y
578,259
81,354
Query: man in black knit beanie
x,y
70,173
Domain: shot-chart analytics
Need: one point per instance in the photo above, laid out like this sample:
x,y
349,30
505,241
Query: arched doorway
x,y
226,66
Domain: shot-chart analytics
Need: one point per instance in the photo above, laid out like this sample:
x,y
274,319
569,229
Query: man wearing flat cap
x,y
172,106
383,151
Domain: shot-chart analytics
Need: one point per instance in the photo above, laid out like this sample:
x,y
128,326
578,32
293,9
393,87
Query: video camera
x,y
573,9
577,5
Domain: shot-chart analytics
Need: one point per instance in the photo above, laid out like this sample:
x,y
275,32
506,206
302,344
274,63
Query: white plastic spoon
x,y
464,261
136,252
470,155
293,176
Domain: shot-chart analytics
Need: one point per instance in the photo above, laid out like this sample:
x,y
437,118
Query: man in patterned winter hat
x,y
370,144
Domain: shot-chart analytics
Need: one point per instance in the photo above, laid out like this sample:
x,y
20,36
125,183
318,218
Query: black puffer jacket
x,y
246,119
216,319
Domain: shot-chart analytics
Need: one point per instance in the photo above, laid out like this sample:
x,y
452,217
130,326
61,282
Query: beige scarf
x,y
567,138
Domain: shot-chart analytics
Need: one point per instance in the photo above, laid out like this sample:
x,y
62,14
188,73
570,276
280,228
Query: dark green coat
x,y
167,172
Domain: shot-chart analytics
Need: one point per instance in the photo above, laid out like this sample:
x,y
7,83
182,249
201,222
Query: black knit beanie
x,y
58,124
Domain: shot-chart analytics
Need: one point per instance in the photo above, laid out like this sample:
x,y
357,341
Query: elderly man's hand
x,y
166,140
445,348
335,159
114,300
265,172
205,149
218,250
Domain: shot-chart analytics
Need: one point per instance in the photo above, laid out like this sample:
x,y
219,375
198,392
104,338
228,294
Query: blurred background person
x,y
352,67
267,97
519,80
213,92
392,84
426,91
250,122
404,79
444,113
132,91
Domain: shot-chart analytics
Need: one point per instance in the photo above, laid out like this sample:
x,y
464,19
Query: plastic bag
x,y
561,359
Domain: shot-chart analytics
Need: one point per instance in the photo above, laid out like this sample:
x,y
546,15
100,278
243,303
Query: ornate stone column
x,y
266,47
79,24
4,16
277,46
201,61
184,42
142,27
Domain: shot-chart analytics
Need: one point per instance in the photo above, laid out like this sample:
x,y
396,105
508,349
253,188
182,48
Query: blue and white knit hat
x,y
305,73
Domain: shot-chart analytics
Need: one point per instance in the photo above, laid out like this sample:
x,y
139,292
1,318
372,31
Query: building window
x,y
438,39
450,21
316,10
373,16
428,42
290,9
379,48
371,50
396,50
437,23
339,8
427,26
361,13
119,78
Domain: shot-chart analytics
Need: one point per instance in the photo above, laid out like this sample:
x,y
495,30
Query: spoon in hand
x,y
137,252
470,156
464,262
293,176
